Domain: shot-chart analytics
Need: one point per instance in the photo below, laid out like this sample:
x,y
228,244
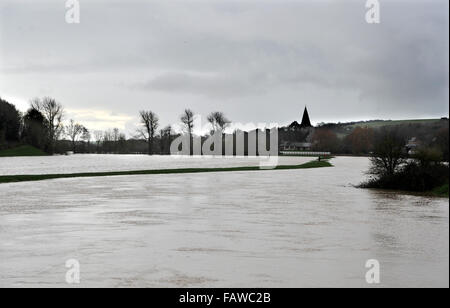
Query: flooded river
x,y
275,228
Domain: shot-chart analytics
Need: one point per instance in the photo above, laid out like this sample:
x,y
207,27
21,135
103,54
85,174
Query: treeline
x,y
10,123
423,170
361,140
42,127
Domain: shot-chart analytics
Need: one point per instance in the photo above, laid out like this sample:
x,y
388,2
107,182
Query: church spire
x,y
305,119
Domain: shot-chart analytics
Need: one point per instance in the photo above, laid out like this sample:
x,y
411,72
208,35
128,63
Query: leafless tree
x,y
75,131
389,153
165,137
53,113
218,121
116,134
115,137
86,136
150,121
107,139
187,118
98,136
121,143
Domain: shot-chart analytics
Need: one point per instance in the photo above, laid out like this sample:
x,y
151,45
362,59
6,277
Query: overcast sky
x,y
257,61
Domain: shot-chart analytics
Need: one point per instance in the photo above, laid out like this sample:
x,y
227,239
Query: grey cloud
x,y
223,86
249,52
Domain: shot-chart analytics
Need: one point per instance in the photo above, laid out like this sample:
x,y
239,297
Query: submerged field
x,y
111,163
42,177
20,151
275,228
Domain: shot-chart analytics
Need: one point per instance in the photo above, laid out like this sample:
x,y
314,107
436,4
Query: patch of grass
x,y
328,157
24,150
376,124
441,191
41,177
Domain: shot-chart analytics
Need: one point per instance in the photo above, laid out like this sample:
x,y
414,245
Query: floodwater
x,y
274,228
104,163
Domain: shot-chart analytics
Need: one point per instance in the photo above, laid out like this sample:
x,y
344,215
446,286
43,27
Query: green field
x,y
25,150
376,124
441,191
40,177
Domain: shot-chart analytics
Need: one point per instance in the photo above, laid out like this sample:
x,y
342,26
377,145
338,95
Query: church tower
x,y
305,119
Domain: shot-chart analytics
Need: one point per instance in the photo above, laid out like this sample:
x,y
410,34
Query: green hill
x,y
380,123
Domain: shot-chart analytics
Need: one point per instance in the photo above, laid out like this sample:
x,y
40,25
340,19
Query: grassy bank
x,y
41,177
322,157
381,123
25,150
441,191
431,180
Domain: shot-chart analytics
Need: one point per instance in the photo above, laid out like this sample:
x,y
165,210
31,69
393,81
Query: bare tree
x,y
107,138
86,137
53,113
389,153
187,118
150,121
218,121
98,136
325,140
122,143
115,136
165,137
74,131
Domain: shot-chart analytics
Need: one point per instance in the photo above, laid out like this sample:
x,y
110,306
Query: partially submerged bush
x,y
413,176
429,156
391,169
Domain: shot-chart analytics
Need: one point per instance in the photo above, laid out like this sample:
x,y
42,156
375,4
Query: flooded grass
x,y
25,150
441,191
41,177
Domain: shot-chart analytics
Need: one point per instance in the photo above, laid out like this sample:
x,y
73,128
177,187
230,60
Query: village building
x,y
303,134
412,146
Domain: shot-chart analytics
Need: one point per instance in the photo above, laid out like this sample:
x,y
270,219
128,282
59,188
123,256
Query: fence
x,y
304,153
